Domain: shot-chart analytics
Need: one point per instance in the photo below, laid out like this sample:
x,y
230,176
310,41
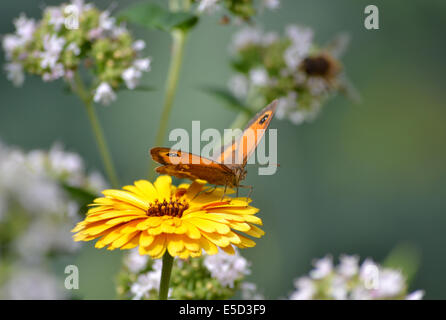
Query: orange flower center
x,y
174,208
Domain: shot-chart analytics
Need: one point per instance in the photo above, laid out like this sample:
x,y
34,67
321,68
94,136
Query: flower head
x,y
291,68
160,217
51,49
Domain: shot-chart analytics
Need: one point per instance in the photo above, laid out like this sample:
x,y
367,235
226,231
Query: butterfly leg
x,y
210,190
206,191
251,188
224,192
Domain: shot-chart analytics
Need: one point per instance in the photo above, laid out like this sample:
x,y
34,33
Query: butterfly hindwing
x,y
185,165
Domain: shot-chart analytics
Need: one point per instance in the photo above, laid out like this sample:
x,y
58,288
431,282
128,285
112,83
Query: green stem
x,y
165,276
97,130
179,40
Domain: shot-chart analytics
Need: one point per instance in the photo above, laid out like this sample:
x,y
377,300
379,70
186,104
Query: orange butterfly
x,y
226,168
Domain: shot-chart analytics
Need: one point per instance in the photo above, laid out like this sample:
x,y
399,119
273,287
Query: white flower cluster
x,y
33,200
50,49
23,34
32,179
351,281
147,282
226,269
290,68
32,284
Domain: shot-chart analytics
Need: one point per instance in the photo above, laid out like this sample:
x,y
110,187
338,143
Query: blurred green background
x,y
359,180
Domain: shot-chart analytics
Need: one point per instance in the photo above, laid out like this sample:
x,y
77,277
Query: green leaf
x,y
82,196
228,99
153,16
404,257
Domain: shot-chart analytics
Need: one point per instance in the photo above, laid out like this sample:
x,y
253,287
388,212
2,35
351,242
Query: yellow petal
x,y
229,250
149,191
162,185
146,239
123,239
156,247
208,246
192,231
150,222
133,243
217,239
175,245
255,231
195,188
209,226
127,197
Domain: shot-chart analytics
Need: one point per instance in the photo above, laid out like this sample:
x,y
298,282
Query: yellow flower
x,y
157,217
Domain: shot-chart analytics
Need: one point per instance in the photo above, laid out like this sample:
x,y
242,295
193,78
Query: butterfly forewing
x,y
237,153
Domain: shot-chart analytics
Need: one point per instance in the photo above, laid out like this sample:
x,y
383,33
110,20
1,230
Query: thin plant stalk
x,y
165,276
87,99
179,40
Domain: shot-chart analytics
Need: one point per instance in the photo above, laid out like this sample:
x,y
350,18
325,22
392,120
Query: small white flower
x,y
207,5
104,94
143,64
416,295
301,40
271,4
74,48
391,283
81,6
106,22
305,289
339,288
135,262
118,30
53,46
301,37
227,268
348,266
317,85
259,77
15,73
24,27
64,163
147,282
245,37
57,72
131,77
369,274
139,45
57,18
250,292
10,43
239,85
323,267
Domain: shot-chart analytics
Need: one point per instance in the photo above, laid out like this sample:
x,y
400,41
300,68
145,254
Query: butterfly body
x,y
219,170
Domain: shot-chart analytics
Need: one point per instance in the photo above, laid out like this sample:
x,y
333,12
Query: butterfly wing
x,y
240,150
185,165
